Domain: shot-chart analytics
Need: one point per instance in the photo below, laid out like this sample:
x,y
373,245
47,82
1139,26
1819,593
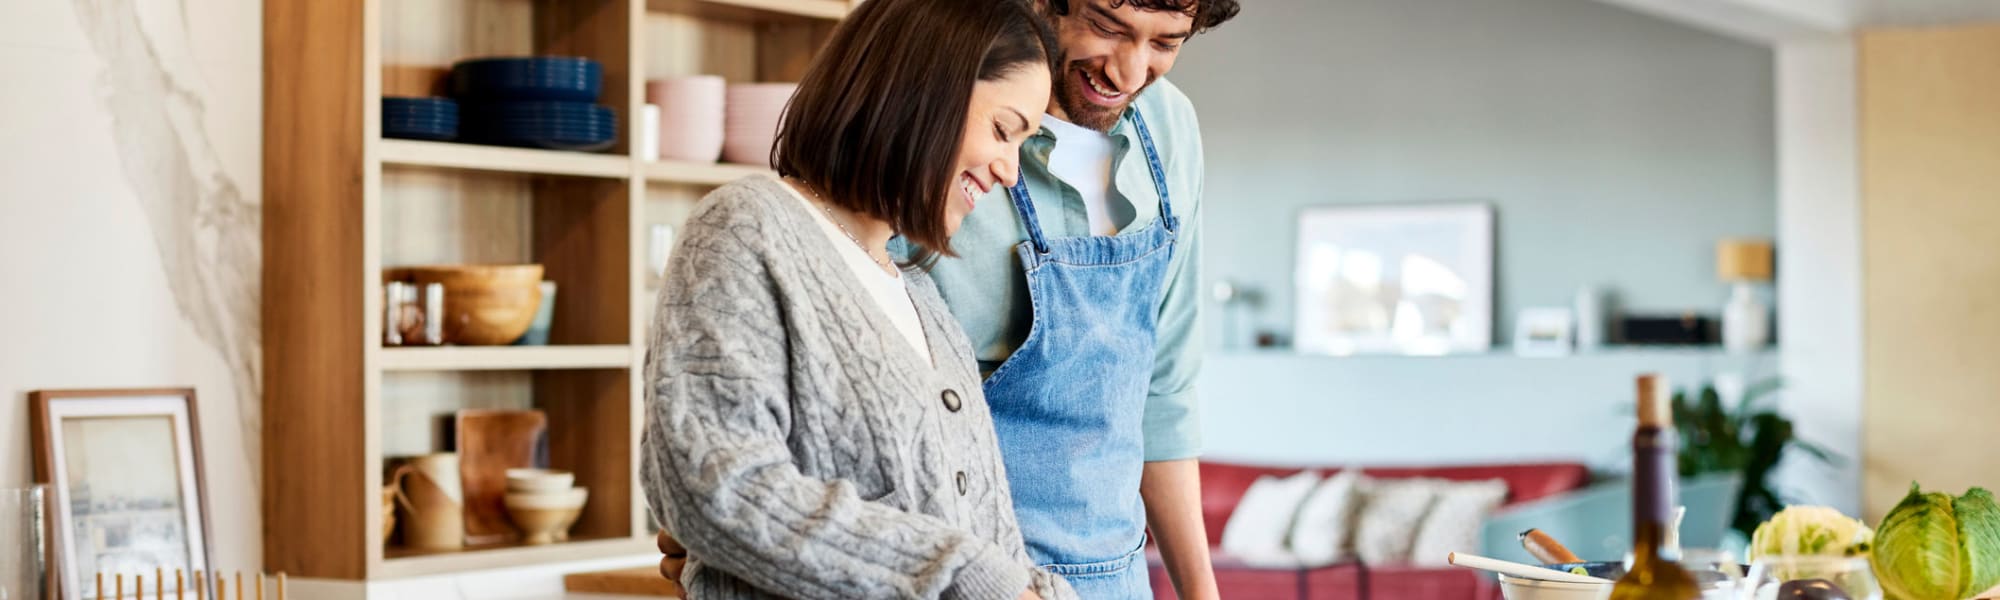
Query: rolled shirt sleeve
x,y
1173,413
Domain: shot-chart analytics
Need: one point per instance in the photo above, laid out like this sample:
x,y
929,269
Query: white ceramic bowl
x,y
1515,588
539,480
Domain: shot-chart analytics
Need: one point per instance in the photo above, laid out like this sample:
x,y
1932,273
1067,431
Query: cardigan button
x,y
961,483
951,402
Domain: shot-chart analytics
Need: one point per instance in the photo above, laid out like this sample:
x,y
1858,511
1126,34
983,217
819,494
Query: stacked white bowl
x,y
750,124
544,503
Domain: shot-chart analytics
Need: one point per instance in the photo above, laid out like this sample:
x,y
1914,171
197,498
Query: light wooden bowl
x,y
485,305
545,517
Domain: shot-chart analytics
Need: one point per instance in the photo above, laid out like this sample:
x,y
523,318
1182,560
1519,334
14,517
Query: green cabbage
x,y
1936,547
1810,531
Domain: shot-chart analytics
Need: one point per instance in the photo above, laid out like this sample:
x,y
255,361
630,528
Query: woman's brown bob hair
x,y
876,124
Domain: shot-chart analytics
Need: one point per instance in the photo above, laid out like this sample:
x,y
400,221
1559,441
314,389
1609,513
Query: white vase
x,y
1746,323
1589,310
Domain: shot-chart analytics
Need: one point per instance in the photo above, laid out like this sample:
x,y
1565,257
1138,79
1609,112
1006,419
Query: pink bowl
x,y
692,116
750,128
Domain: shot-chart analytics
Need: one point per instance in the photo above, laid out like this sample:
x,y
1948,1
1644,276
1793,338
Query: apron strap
x,y
1025,205
1159,173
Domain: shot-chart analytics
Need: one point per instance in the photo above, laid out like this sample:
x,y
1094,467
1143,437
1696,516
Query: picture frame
x,y
124,468
1404,278
1544,332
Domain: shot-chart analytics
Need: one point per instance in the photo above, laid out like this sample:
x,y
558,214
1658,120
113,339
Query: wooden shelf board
x,y
755,10
503,159
698,173
501,358
403,562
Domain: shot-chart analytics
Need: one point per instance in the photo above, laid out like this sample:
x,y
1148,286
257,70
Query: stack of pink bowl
x,y
751,124
691,116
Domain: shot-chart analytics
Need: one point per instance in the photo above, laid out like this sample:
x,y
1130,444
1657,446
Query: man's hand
x,y
676,557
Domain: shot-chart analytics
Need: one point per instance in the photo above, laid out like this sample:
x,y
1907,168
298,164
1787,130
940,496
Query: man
x,y
1078,288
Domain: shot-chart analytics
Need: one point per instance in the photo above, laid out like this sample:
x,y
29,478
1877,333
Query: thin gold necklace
x,y
825,207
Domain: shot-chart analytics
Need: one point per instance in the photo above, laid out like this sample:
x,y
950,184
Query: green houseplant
x,y
1750,438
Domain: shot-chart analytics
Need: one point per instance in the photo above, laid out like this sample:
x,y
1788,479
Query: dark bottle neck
x,y
1653,497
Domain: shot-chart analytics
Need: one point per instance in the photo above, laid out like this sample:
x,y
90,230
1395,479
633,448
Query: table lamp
x,y
1746,322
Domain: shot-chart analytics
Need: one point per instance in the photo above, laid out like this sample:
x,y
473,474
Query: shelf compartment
x,y
503,159
713,174
503,358
403,562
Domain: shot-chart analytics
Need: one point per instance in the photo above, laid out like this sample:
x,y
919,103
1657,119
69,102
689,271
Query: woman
x,y
816,424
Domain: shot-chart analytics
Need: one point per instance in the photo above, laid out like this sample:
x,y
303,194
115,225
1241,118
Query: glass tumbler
x,y
24,529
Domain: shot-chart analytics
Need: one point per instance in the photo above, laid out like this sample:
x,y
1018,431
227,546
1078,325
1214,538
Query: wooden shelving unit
x,y
342,204
697,174
502,358
403,563
503,160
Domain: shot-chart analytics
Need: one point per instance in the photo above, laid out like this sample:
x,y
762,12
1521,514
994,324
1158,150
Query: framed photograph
x,y
1543,332
124,467
1395,279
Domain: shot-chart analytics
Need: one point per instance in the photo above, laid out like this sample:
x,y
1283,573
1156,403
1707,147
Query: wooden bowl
x,y
485,305
545,517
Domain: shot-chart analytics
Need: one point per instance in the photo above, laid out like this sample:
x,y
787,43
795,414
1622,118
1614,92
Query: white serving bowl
x,y
1516,588
539,480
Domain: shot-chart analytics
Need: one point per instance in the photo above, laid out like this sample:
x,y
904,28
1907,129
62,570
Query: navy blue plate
x,y
393,105
420,132
561,78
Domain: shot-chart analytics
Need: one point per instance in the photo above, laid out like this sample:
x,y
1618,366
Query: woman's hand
x,y
1029,595
676,557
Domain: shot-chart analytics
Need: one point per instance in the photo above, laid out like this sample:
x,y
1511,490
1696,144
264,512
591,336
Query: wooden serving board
x,y
638,581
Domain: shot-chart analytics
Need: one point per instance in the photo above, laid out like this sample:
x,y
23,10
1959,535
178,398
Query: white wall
x,y
1819,262
1618,148
129,222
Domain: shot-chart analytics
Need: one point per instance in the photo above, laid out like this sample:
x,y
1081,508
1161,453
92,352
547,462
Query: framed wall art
x,y
124,467
1395,279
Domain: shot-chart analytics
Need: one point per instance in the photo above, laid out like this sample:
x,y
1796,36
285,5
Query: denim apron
x,y
1068,403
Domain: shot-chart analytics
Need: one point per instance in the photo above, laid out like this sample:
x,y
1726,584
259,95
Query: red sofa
x,y
1223,485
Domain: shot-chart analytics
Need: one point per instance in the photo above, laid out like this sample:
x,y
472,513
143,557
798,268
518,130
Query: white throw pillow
x,y
1455,520
1390,514
1321,534
1256,529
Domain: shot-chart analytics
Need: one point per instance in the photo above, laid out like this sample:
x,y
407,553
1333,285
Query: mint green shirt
x,y
988,292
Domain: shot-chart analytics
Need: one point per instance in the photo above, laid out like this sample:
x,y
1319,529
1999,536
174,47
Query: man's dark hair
x,y
1207,13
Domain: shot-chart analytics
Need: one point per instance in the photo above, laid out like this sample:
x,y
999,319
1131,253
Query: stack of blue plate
x,y
543,124
562,78
536,102
419,118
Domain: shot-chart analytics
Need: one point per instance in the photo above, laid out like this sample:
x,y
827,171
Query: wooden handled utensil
x,y
1546,549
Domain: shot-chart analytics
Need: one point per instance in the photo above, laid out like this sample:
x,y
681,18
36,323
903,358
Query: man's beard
x,y
1079,109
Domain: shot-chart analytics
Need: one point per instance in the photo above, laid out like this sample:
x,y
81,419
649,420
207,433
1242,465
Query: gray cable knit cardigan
x,y
794,441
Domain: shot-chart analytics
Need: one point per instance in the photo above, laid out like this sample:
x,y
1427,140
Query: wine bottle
x,y
1653,574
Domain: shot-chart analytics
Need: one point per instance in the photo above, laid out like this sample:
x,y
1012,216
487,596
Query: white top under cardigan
x,y
888,290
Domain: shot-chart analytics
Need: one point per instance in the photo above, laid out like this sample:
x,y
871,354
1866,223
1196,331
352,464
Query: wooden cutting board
x,y
638,581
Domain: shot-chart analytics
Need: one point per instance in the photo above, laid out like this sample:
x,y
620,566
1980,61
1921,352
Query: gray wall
x,y
1616,147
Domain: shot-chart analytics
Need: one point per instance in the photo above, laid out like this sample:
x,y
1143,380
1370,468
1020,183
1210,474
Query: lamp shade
x,y
1743,260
